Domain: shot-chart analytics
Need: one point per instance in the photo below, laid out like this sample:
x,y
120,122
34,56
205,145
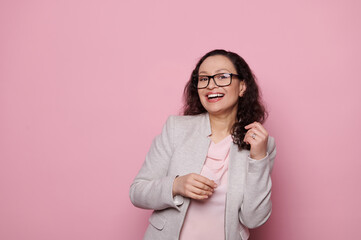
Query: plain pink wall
x,y
86,85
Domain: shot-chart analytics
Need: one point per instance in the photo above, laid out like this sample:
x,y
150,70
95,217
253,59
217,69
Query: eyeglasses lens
x,y
221,79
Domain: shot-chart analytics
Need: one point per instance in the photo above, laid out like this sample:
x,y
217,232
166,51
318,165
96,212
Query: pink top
x,y
205,218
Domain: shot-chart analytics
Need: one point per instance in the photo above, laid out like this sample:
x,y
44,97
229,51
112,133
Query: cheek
x,y
202,98
200,94
234,92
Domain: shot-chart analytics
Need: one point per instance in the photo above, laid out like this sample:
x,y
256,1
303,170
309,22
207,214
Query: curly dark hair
x,y
250,106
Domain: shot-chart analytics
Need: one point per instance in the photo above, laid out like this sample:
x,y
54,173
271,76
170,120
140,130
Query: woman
x,y
207,175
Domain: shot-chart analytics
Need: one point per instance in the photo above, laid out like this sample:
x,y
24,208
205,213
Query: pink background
x,y
86,85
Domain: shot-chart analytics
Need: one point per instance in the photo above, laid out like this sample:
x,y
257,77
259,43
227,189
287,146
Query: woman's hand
x,y
257,137
193,186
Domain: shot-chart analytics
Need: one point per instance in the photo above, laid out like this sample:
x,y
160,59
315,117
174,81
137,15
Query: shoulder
x,y
186,121
187,126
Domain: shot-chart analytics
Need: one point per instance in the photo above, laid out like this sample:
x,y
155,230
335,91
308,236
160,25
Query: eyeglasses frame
x,y
209,79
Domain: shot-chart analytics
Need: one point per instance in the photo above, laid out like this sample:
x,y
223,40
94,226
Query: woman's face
x,y
227,100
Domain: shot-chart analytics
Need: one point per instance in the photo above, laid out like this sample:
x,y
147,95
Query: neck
x,y
221,125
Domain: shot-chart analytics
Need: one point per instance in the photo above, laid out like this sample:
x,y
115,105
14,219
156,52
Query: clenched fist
x,y
257,137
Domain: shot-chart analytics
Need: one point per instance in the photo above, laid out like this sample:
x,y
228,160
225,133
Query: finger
x,y
205,180
258,134
261,128
197,197
258,126
251,125
200,192
202,186
248,138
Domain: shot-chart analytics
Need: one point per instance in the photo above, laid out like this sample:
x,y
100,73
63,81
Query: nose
x,y
212,83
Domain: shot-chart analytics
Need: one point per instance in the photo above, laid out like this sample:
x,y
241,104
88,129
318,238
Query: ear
x,y
242,88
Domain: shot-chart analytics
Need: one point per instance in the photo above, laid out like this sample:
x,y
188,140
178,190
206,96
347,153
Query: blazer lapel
x,y
199,145
237,170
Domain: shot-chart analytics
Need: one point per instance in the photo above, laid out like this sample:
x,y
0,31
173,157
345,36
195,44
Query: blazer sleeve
x,y
152,187
257,206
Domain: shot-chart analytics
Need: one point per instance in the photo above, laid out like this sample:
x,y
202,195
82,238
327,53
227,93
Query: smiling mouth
x,y
214,96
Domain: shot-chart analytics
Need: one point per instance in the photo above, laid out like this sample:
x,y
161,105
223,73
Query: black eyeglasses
x,y
220,79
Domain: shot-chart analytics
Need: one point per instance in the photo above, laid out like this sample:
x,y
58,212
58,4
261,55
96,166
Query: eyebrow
x,y
219,70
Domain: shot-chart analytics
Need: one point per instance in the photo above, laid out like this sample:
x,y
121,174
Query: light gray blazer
x,y
182,148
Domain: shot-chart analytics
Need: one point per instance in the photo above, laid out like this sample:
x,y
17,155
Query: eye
x,y
202,78
223,76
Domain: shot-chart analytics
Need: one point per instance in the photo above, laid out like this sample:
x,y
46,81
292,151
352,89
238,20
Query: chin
x,y
215,111
219,110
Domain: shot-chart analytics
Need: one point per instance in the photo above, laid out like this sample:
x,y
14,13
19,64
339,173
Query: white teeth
x,y
215,95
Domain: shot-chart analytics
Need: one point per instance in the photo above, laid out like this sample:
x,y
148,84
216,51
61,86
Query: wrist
x,y
174,188
258,156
